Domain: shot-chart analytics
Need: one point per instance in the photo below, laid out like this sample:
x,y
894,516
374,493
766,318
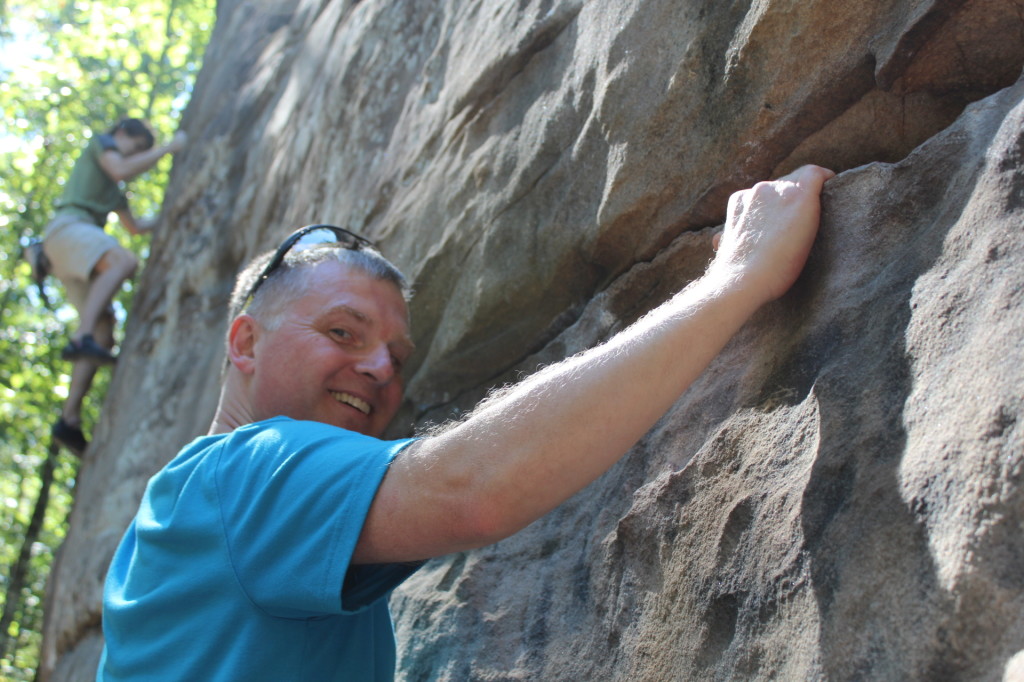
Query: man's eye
x,y
342,334
396,362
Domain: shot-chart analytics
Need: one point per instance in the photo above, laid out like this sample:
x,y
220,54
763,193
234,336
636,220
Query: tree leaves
x,y
68,69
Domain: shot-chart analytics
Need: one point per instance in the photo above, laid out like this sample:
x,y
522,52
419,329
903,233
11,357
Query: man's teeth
x,y
355,402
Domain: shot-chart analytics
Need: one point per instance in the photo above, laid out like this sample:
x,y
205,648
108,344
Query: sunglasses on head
x,y
308,237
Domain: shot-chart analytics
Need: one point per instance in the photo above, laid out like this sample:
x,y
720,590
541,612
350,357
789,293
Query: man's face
x,y
335,354
128,145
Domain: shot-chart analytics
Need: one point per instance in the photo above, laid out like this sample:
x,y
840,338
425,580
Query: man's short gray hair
x,y
288,282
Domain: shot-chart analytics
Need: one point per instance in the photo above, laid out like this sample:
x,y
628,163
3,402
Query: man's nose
x,y
376,363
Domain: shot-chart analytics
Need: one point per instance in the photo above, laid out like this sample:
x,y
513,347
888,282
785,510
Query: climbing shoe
x,y
88,349
69,436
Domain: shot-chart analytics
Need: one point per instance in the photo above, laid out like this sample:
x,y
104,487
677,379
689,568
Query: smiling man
x,y
291,365
237,564
266,550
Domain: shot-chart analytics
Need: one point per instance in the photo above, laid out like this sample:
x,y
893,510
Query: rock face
x,y
838,497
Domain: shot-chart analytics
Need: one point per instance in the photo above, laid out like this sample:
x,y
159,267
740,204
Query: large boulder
x,y
839,496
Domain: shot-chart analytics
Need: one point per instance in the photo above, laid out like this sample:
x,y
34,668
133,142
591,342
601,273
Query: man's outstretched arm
x,y
523,452
119,167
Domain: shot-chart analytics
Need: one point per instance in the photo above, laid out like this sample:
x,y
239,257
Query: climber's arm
x,y
119,167
520,454
134,226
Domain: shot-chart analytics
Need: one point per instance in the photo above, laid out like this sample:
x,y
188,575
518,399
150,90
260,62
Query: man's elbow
x,y
122,175
116,167
484,519
116,173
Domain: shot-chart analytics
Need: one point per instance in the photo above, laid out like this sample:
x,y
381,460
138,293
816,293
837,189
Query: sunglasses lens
x,y
320,237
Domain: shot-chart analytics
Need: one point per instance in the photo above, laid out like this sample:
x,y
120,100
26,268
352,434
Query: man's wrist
x,y
734,284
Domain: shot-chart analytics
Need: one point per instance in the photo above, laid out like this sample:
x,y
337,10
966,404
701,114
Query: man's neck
x,y
232,410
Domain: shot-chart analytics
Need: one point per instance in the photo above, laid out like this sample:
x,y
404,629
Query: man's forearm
x,y
552,434
128,221
123,168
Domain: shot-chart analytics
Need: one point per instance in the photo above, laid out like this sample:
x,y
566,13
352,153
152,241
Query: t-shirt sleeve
x,y
293,498
102,143
367,583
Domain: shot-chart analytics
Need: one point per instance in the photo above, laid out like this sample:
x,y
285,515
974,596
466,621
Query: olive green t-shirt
x,y
89,191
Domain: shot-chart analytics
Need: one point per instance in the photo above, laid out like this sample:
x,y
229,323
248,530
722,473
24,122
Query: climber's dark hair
x,y
134,127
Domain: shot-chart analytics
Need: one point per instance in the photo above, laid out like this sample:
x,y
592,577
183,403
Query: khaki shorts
x,y
74,247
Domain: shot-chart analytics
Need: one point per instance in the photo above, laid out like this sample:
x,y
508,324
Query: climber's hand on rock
x,y
178,142
769,231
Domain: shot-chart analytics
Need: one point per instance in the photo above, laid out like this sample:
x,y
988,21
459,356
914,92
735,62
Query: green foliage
x,y
68,69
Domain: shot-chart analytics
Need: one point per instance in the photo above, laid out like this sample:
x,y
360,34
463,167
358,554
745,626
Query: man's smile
x,y
349,399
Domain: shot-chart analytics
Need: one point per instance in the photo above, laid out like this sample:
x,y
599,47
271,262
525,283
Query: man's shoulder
x,y
103,142
288,428
285,437
100,144
283,458
291,433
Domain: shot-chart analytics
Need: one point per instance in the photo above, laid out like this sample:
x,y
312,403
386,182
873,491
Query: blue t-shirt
x,y
236,566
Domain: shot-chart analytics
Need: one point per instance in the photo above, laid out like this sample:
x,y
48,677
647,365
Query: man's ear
x,y
242,343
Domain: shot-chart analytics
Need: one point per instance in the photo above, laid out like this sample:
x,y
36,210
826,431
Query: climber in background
x,y
90,263
266,550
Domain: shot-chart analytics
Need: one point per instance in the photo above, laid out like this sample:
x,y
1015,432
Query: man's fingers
x,y
736,205
810,176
